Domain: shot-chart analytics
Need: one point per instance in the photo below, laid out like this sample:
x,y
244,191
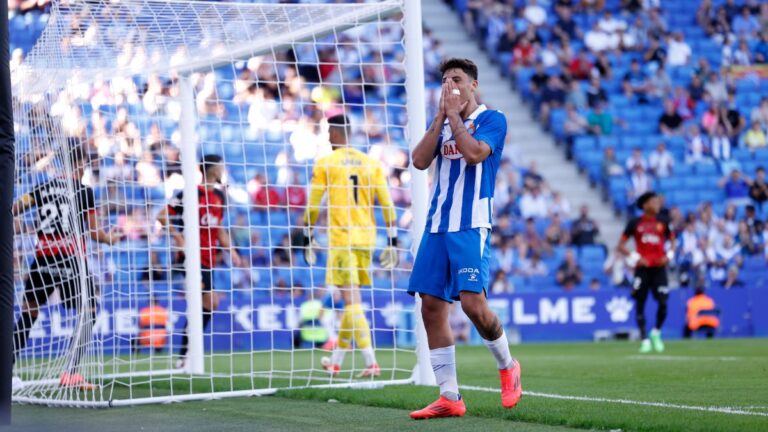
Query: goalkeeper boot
x,y
370,371
74,379
511,389
656,342
332,369
645,346
442,407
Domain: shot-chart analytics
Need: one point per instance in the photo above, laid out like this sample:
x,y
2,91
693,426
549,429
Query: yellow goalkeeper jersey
x,y
353,180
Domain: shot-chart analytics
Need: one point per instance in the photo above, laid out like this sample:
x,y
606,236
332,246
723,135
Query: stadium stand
x,y
598,77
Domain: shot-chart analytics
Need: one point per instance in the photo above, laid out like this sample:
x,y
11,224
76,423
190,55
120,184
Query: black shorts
x,y
650,279
48,273
207,282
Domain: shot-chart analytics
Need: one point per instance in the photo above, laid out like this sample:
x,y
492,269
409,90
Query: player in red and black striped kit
x,y
651,235
66,210
213,236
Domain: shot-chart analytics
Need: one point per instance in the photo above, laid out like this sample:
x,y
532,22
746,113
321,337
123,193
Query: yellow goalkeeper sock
x,y
362,331
346,330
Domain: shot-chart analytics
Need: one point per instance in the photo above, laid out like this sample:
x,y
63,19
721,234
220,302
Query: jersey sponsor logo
x,y
649,238
451,151
209,219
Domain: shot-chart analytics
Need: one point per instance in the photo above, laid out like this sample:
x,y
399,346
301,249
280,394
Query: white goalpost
x,y
144,89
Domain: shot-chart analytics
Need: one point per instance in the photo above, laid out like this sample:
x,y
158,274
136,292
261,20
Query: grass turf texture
x,y
722,373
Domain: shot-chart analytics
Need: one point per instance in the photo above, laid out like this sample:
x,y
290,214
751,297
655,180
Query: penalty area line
x,y
714,409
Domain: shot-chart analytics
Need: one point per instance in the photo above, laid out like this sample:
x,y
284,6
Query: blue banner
x,y
263,323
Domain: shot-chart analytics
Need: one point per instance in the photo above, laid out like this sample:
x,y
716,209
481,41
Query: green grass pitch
x,y
616,389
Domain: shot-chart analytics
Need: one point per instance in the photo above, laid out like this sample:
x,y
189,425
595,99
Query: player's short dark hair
x,y
339,120
466,65
644,198
208,161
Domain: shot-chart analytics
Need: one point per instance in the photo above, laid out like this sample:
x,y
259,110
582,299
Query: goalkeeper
x,y
352,180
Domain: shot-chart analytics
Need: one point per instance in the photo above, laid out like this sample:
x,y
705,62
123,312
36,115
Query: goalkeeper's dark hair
x,y
340,121
466,65
210,160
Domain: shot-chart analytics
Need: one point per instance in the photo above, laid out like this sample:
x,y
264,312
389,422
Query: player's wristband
x,y
392,234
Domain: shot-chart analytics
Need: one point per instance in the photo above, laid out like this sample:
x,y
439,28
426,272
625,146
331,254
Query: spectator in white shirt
x,y
560,206
533,204
597,40
678,51
534,13
721,145
697,146
610,24
661,161
639,183
636,159
533,267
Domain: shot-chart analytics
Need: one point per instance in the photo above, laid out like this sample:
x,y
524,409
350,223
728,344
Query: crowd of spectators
x,y
616,70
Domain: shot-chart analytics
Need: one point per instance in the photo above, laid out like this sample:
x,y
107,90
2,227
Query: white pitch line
x,y
682,358
715,409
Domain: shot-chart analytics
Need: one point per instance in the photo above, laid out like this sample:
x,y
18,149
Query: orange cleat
x,y
511,389
332,369
74,379
372,370
441,408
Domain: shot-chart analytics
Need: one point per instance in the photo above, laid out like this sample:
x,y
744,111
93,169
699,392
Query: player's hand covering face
x,y
456,80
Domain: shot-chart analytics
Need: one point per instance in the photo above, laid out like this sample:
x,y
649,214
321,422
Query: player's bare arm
x,y
99,235
458,105
162,217
424,152
226,243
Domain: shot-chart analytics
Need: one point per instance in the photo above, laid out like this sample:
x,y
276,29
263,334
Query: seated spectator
x,y
555,234
742,56
596,94
459,323
720,25
639,183
670,122
729,221
761,48
610,166
524,53
684,104
500,284
716,89
696,146
576,97
635,82
638,31
636,159
569,272
660,85
679,51
531,177
750,242
754,224
533,267
760,114
531,236
505,256
281,254
696,88
602,66
657,25
533,203
580,66
754,138
600,122
655,55
594,284
731,119
758,190
610,24
720,144
661,161
537,83
559,206
596,39
565,27
584,230
745,25
736,188
534,13
552,97
727,263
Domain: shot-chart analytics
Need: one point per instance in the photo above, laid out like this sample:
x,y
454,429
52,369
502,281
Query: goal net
x,y
115,108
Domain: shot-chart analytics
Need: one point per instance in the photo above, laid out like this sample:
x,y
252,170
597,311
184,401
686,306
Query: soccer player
x,y
353,180
651,235
452,262
211,203
59,261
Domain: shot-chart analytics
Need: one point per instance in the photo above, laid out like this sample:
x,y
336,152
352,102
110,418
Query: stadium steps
x,y
528,141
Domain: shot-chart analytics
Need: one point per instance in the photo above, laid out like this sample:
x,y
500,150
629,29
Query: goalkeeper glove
x,y
310,256
389,256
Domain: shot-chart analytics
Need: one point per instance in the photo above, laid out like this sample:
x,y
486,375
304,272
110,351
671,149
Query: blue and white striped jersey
x,y
462,195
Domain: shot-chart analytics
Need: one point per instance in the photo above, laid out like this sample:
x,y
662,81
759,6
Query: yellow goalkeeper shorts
x,y
348,266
